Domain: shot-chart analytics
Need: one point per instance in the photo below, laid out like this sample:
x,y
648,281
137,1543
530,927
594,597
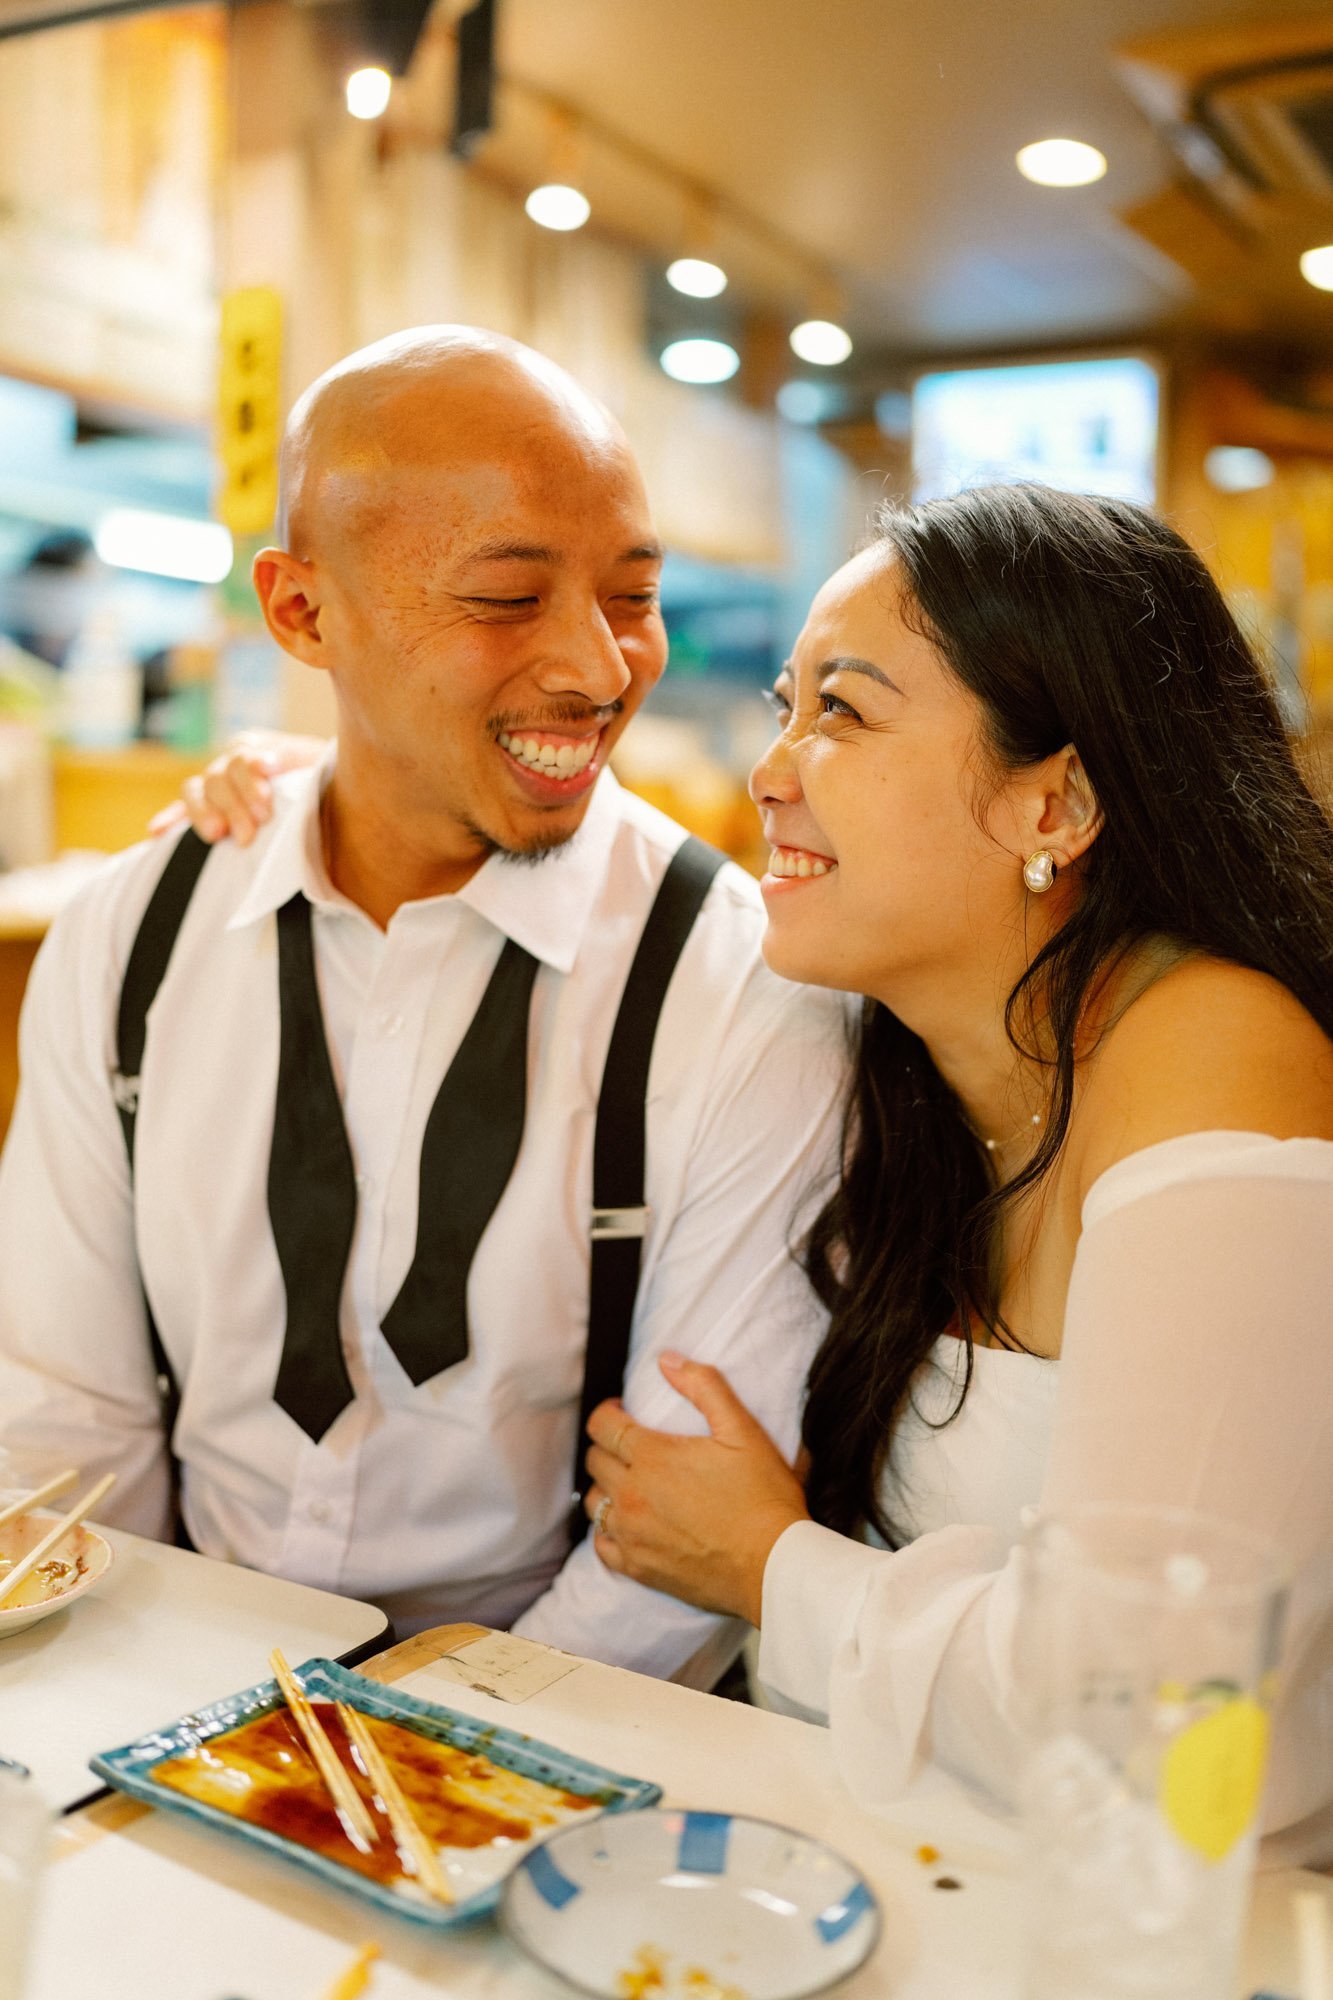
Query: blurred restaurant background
x,y
812,256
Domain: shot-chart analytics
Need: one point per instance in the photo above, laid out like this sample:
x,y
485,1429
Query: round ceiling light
x,y
697,277
801,402
1317,267
699,360
368,92
1061,163
555,206
820,342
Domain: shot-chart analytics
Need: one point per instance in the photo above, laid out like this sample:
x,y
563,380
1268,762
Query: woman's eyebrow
x,y
848,663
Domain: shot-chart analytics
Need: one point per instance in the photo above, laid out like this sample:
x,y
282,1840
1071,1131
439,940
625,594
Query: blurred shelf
x,y
104,799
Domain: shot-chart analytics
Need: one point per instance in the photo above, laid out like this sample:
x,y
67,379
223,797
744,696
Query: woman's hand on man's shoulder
x,y
233,797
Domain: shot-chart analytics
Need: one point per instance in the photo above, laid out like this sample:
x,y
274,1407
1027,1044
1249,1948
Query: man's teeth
x,y
565,760
794,861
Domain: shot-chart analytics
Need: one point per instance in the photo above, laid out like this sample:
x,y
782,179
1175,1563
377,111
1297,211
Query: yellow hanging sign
x,y
250,408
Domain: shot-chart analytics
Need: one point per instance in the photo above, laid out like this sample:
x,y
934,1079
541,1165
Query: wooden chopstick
x,y
352,1809
1314,1937
352,1982
38,1497
411,1837
24,1569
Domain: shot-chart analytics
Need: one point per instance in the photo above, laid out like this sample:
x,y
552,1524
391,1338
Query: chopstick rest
x,y
21,1571
352,1809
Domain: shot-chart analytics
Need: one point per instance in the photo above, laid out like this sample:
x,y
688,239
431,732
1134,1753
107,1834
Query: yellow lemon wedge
x,y
1212,1776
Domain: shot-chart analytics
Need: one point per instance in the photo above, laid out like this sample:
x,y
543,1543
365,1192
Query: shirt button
x,y
390,1024
319,1512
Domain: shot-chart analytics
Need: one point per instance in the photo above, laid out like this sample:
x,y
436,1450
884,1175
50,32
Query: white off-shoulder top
x,y
1196,1371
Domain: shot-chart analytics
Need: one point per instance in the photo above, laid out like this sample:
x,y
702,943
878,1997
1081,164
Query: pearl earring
x,y
1039,871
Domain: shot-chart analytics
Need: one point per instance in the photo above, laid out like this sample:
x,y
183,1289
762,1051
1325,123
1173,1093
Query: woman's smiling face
x,y
883,869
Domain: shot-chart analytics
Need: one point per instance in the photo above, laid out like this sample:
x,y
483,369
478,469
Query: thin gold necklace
x,y
998,1145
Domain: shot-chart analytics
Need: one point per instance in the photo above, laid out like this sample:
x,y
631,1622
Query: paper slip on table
x,y
139,1902
164,1631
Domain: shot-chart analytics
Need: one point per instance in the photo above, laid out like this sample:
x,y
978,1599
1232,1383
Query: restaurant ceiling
x,y
18,16
872,142
879,138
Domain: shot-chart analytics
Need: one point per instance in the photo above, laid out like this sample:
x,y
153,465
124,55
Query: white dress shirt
x,y
1196,1371
450,1499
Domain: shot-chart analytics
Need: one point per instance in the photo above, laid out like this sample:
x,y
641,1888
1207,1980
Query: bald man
x,y
386,1142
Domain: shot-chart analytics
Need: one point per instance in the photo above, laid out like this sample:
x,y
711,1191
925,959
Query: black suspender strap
x,y
619,1217
144,973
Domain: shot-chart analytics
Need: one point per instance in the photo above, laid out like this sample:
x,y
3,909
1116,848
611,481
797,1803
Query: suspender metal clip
x,y
610,1223
125,1090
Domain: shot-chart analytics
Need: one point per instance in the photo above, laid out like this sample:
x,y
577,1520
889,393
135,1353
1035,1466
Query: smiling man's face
x,y
483,576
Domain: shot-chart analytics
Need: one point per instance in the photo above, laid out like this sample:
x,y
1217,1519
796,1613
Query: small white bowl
x,y
690,1906
82,1546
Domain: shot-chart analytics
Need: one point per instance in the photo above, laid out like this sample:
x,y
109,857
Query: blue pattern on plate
x,y
838,1918
130,1769
766,1908
551,1883
703,1843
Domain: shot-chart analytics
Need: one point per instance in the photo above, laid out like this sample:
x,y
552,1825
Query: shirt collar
x,y
293,855
544,906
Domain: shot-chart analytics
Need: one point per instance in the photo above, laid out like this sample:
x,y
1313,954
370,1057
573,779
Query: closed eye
x,y
504,603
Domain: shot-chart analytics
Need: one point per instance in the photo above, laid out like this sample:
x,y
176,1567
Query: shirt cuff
x,y
815,1582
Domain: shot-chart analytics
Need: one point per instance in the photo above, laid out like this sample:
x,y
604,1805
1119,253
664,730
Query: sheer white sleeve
x,y
1197,1370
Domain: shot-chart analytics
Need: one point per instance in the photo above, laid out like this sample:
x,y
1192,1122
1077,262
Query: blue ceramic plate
x,y
475,1873
691,1906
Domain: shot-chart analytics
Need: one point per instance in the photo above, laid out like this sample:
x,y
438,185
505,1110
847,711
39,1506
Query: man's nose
x,y
585,659
774,781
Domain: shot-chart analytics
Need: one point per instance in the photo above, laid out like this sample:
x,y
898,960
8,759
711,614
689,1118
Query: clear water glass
x,y
25,1829
1148,1651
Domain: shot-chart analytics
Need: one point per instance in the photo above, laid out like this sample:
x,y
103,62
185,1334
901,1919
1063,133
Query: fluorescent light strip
x,y
164,545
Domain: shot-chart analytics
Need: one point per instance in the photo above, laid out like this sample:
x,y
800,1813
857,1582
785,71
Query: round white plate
x,y
690,1906
81,1545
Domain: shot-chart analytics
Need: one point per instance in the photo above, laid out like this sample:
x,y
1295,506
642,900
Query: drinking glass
x,y
1148,1649
24,1831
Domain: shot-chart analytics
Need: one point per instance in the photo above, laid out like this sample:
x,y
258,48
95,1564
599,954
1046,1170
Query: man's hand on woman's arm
x,y
234,796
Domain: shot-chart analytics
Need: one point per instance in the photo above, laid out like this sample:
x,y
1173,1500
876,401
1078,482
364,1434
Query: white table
x,y
164,1631
145,1903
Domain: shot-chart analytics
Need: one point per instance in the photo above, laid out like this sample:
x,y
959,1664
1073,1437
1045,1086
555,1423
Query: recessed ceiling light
x,y
368,92
555,206
699,360
821,342
1063,163
1317,267
801,402
697,277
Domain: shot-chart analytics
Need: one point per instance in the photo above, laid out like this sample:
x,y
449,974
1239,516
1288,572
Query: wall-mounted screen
x,y
1086,426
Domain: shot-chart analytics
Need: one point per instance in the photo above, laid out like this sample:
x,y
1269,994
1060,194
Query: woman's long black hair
x,y
1091,622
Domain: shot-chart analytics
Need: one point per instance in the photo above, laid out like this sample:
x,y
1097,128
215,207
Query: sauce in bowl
x,y
50,1579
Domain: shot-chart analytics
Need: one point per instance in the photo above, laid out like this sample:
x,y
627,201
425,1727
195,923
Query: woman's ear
x,y
1070,817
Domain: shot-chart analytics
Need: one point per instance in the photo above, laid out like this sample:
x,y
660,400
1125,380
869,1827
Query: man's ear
x,y
288,593
1070,817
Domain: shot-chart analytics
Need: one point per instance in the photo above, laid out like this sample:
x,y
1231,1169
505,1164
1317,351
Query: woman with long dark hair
x,y
1033,797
